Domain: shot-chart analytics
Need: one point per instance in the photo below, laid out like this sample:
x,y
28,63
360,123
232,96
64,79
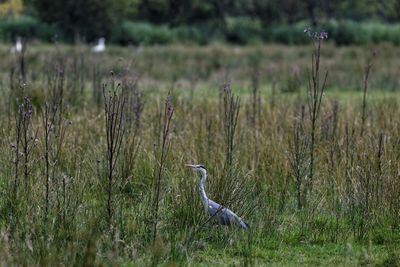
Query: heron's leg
x,y
216,225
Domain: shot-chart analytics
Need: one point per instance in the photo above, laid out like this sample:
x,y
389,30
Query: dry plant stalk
x,y
27,136
114,104
314,98
365,87
165,145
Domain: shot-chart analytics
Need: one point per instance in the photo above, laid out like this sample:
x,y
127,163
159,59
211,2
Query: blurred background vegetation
x,y
200,21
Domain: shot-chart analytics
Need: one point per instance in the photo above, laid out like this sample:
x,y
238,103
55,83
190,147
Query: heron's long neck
x,y
202,192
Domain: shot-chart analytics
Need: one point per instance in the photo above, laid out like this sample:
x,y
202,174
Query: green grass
x,y
275,253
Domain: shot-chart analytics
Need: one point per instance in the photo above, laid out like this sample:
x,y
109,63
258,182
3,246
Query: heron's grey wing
x,y
223,215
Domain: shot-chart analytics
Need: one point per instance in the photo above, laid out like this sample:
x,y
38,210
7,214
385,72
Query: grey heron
x,y
222,215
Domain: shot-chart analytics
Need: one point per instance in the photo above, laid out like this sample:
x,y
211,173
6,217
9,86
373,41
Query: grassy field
x,y
90,179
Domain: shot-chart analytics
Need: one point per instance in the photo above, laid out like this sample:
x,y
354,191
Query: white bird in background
x,y
17,48
101,46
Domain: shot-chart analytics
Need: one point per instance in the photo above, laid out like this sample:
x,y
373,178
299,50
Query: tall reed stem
x,y
114,104
165,144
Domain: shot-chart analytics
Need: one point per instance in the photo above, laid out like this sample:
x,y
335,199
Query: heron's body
x,y
225,216
222,215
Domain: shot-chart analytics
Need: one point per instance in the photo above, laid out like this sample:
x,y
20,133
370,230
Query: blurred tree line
x,y
90,19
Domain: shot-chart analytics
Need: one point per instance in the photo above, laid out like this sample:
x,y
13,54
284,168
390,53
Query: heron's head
x,y
197,168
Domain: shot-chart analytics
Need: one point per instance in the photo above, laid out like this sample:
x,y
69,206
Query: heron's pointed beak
x,y
190,165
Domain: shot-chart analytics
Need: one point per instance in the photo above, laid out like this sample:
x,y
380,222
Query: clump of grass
x,y
96,85
229,108
26,136
133,123
297,155
230,112
54,128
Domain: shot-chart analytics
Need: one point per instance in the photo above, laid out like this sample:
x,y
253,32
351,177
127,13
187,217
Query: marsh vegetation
x,y
94,146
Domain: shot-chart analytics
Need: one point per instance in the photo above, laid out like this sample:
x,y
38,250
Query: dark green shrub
x,y
355,33
243,30
239,30
341,32
88,19
142,33
193,34
384,32
379,32
350,32
26,27
47,33
287,34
